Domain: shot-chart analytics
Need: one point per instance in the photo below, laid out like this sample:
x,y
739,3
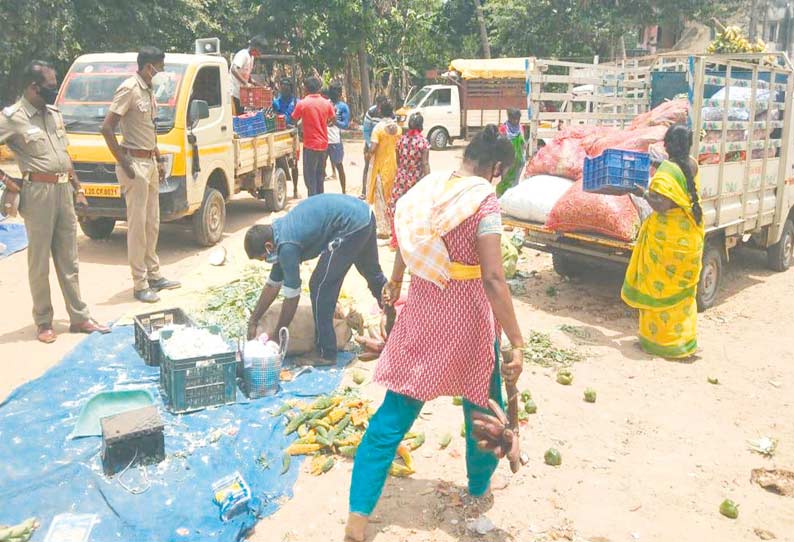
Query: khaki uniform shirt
x,y
37,138
134,102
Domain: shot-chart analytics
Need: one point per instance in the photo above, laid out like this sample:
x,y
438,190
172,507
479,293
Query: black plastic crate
x,y
195,383
147,324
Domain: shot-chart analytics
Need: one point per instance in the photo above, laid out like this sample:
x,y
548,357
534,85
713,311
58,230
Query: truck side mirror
x,y
199,110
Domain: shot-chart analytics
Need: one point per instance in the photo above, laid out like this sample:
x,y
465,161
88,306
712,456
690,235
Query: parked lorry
x,y
743,144
475,92
205,162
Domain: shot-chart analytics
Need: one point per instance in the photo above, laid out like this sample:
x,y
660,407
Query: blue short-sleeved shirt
x,y
285,107
308,229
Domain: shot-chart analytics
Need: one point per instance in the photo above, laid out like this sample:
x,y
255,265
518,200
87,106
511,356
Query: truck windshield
x,y
89,87
417,98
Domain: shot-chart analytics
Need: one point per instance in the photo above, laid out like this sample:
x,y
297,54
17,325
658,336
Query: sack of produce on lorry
x,y
629,140
741,113
580,211
664,114
301,330
561,158
534,198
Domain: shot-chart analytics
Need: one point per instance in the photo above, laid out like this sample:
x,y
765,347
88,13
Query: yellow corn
x,y
303,449
400,471
303,431
336,415
405,453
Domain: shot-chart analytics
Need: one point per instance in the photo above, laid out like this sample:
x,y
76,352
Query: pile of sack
x,y
551,191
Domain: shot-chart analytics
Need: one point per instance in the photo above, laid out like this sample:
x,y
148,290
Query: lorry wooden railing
x,y
563,94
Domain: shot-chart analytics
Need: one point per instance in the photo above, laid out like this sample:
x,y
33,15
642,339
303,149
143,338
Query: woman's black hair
x,y
416,122
513,113
386,109
489,147
677,142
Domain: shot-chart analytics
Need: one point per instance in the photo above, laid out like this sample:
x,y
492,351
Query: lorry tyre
x,y
564,265
98,228
276,197
710,277
779,255
439,138
210,219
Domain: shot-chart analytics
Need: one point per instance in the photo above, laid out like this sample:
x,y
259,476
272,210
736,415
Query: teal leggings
x,y
385,432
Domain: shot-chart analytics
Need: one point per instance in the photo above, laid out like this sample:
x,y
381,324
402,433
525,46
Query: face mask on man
x,y
48,94
158,77
271,256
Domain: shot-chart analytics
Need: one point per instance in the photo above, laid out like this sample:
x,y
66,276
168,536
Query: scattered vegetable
x,y
564,377
590,395
530,407
729,509
416,441
526,395
321,464
445,440
19,533
539,349
463,430
713,380
457,400
552,457
358,377
286,459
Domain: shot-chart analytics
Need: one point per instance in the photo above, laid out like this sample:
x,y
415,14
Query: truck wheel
x,y
565,265
276,198
779,255
97,228
210,219
439,139
710,277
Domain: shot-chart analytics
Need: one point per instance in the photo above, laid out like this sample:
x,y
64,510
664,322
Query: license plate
x,y
102,190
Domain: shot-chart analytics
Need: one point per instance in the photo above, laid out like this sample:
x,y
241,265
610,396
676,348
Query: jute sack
x,y
301,330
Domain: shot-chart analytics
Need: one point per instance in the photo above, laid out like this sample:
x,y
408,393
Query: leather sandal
x,y
45,334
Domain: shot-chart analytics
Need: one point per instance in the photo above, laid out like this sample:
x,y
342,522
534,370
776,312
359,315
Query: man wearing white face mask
x,y
139,170
338,229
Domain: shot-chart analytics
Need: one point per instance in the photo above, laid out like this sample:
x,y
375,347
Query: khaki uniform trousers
x,y
51,224
142,196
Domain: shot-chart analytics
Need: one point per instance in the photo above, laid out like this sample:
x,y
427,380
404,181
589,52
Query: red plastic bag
x,y
561,158
580,211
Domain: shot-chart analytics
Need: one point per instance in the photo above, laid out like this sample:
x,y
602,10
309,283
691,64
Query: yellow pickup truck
x,y
206,163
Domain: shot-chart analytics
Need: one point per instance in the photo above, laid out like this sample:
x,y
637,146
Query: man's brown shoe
x,y
45,334
89,326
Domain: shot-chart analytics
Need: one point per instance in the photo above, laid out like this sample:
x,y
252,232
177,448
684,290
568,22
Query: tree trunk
x,y
753,20
486,46
353,96
363,66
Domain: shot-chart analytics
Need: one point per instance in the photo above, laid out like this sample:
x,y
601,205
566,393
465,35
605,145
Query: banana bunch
x,y
18,533
732,40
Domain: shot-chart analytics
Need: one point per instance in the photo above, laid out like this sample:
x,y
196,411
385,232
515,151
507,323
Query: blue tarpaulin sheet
x,y
44,473
13,236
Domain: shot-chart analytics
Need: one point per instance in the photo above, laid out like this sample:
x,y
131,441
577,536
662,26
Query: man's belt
x,y
49,178
139,153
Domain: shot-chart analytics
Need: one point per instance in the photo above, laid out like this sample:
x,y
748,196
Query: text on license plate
x,y
102,190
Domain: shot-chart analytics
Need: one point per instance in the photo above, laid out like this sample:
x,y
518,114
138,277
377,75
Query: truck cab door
x,y
213,135
442,108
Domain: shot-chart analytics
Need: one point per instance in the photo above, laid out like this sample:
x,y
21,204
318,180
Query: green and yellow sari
x,y
664,270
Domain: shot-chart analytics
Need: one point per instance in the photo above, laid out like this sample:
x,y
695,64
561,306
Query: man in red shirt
x,y
316,113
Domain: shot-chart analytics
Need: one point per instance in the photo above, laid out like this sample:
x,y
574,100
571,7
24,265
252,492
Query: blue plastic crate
x,y
249,125
616,171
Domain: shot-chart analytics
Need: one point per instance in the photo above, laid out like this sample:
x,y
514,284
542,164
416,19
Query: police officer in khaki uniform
x,y
139,171
35,133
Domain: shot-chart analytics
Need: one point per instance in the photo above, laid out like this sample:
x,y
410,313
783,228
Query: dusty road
x,y
651,460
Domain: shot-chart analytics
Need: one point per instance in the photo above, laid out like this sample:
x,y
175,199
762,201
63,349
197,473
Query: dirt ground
x,y
651,460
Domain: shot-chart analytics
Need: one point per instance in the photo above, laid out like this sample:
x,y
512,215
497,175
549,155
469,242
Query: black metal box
x,y
132,438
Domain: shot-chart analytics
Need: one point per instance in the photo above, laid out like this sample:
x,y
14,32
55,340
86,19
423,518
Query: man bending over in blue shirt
x,y
341,231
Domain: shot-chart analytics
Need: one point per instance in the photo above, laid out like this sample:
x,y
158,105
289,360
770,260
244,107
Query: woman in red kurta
x,y
445,341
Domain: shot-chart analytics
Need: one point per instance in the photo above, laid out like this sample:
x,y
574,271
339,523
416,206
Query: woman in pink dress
x,y
413,153
446,339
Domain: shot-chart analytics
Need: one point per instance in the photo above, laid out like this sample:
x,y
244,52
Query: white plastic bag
x,y
533,198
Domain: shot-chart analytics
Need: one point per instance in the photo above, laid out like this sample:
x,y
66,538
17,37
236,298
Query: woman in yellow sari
x,y
664,270
383,168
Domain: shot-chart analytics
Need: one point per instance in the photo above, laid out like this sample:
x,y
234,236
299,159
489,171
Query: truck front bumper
x,y
173,202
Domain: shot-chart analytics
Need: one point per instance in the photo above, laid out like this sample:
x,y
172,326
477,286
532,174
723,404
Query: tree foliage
x,y
402,38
